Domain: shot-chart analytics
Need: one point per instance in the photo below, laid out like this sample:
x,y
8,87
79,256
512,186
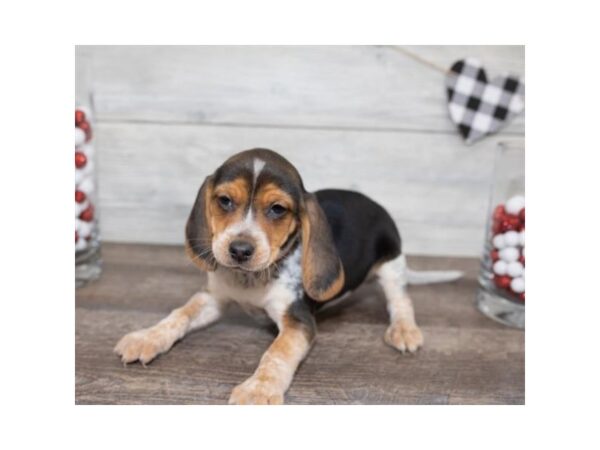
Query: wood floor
x,y
467,358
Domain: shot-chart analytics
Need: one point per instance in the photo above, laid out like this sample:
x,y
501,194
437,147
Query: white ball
x,y
86,185
509,254
79,176
515,204
514,269
88,150
83,228
79,207
500,267
518,285
522,238
88,169
498,241
511,238
523,252
79,136
81,244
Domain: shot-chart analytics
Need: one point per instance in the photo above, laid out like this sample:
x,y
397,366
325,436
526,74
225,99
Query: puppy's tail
x,y
411,276
432,276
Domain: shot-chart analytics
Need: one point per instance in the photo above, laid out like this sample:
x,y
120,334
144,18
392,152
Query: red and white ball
x,y
508,242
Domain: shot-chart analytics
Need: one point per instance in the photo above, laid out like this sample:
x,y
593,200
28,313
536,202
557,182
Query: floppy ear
x,y
322,270
198,233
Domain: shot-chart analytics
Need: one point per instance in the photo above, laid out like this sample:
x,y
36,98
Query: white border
x,y
37,241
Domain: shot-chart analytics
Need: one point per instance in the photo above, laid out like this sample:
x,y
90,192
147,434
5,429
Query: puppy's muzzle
x,y
241,250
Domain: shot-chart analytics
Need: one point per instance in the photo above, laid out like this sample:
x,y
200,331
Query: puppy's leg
x,y
272,378
144,345
403,332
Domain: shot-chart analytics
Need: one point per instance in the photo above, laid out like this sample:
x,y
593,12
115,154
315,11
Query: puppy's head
x,y
251,211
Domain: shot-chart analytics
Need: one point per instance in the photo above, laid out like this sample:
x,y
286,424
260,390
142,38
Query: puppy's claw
x,y
143,346
404,337
254,392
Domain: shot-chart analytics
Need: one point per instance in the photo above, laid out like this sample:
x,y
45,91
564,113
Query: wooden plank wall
x,y
359,117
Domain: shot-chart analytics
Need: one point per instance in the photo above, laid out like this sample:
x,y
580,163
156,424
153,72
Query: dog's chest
x,y
256,294
239,288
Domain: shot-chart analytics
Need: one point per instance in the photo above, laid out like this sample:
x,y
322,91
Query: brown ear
x,y
322,270
198,233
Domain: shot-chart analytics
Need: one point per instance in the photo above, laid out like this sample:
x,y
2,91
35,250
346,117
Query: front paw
x,y
256,392
143,345
404,337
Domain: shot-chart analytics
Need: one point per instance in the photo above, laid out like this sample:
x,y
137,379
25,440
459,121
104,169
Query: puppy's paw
x,y
255,392
143,345
404,337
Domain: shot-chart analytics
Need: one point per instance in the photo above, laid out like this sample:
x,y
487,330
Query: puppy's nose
x,y
241,251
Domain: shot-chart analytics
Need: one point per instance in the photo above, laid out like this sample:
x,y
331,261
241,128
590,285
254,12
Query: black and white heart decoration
x,y
480,107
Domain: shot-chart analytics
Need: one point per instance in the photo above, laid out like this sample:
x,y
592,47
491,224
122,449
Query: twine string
x,y
420,59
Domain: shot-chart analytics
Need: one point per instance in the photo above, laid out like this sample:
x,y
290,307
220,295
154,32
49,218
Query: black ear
x,y
198,232
322,270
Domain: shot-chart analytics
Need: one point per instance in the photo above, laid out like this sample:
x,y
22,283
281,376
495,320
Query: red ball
x,y
80,196
497,227
87,214
499,212
522,259
522,215
76,236
511,223
495,256
80,160
522,297
79,116
502,281
87,129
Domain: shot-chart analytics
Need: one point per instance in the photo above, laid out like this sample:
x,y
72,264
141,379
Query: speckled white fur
x,y
273,296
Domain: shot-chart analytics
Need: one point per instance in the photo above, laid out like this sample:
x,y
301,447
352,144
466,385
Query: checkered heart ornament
x,y
480,107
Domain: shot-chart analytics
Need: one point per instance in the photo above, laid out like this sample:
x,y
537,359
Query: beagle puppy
x,y
268,244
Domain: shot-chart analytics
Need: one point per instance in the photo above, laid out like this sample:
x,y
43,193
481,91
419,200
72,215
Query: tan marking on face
x,y
226,224
238,192
280,229
239,223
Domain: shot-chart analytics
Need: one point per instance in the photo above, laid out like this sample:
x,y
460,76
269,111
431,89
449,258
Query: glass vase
x,y
87,236
501,294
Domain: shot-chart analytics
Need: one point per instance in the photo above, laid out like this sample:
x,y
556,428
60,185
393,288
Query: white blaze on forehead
x,y
258,166
248,219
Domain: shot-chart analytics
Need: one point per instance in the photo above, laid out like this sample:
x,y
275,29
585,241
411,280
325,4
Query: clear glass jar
x,y
501,294
87,236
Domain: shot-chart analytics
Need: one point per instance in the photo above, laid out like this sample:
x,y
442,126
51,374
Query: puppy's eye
x,y
225,202
276,210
